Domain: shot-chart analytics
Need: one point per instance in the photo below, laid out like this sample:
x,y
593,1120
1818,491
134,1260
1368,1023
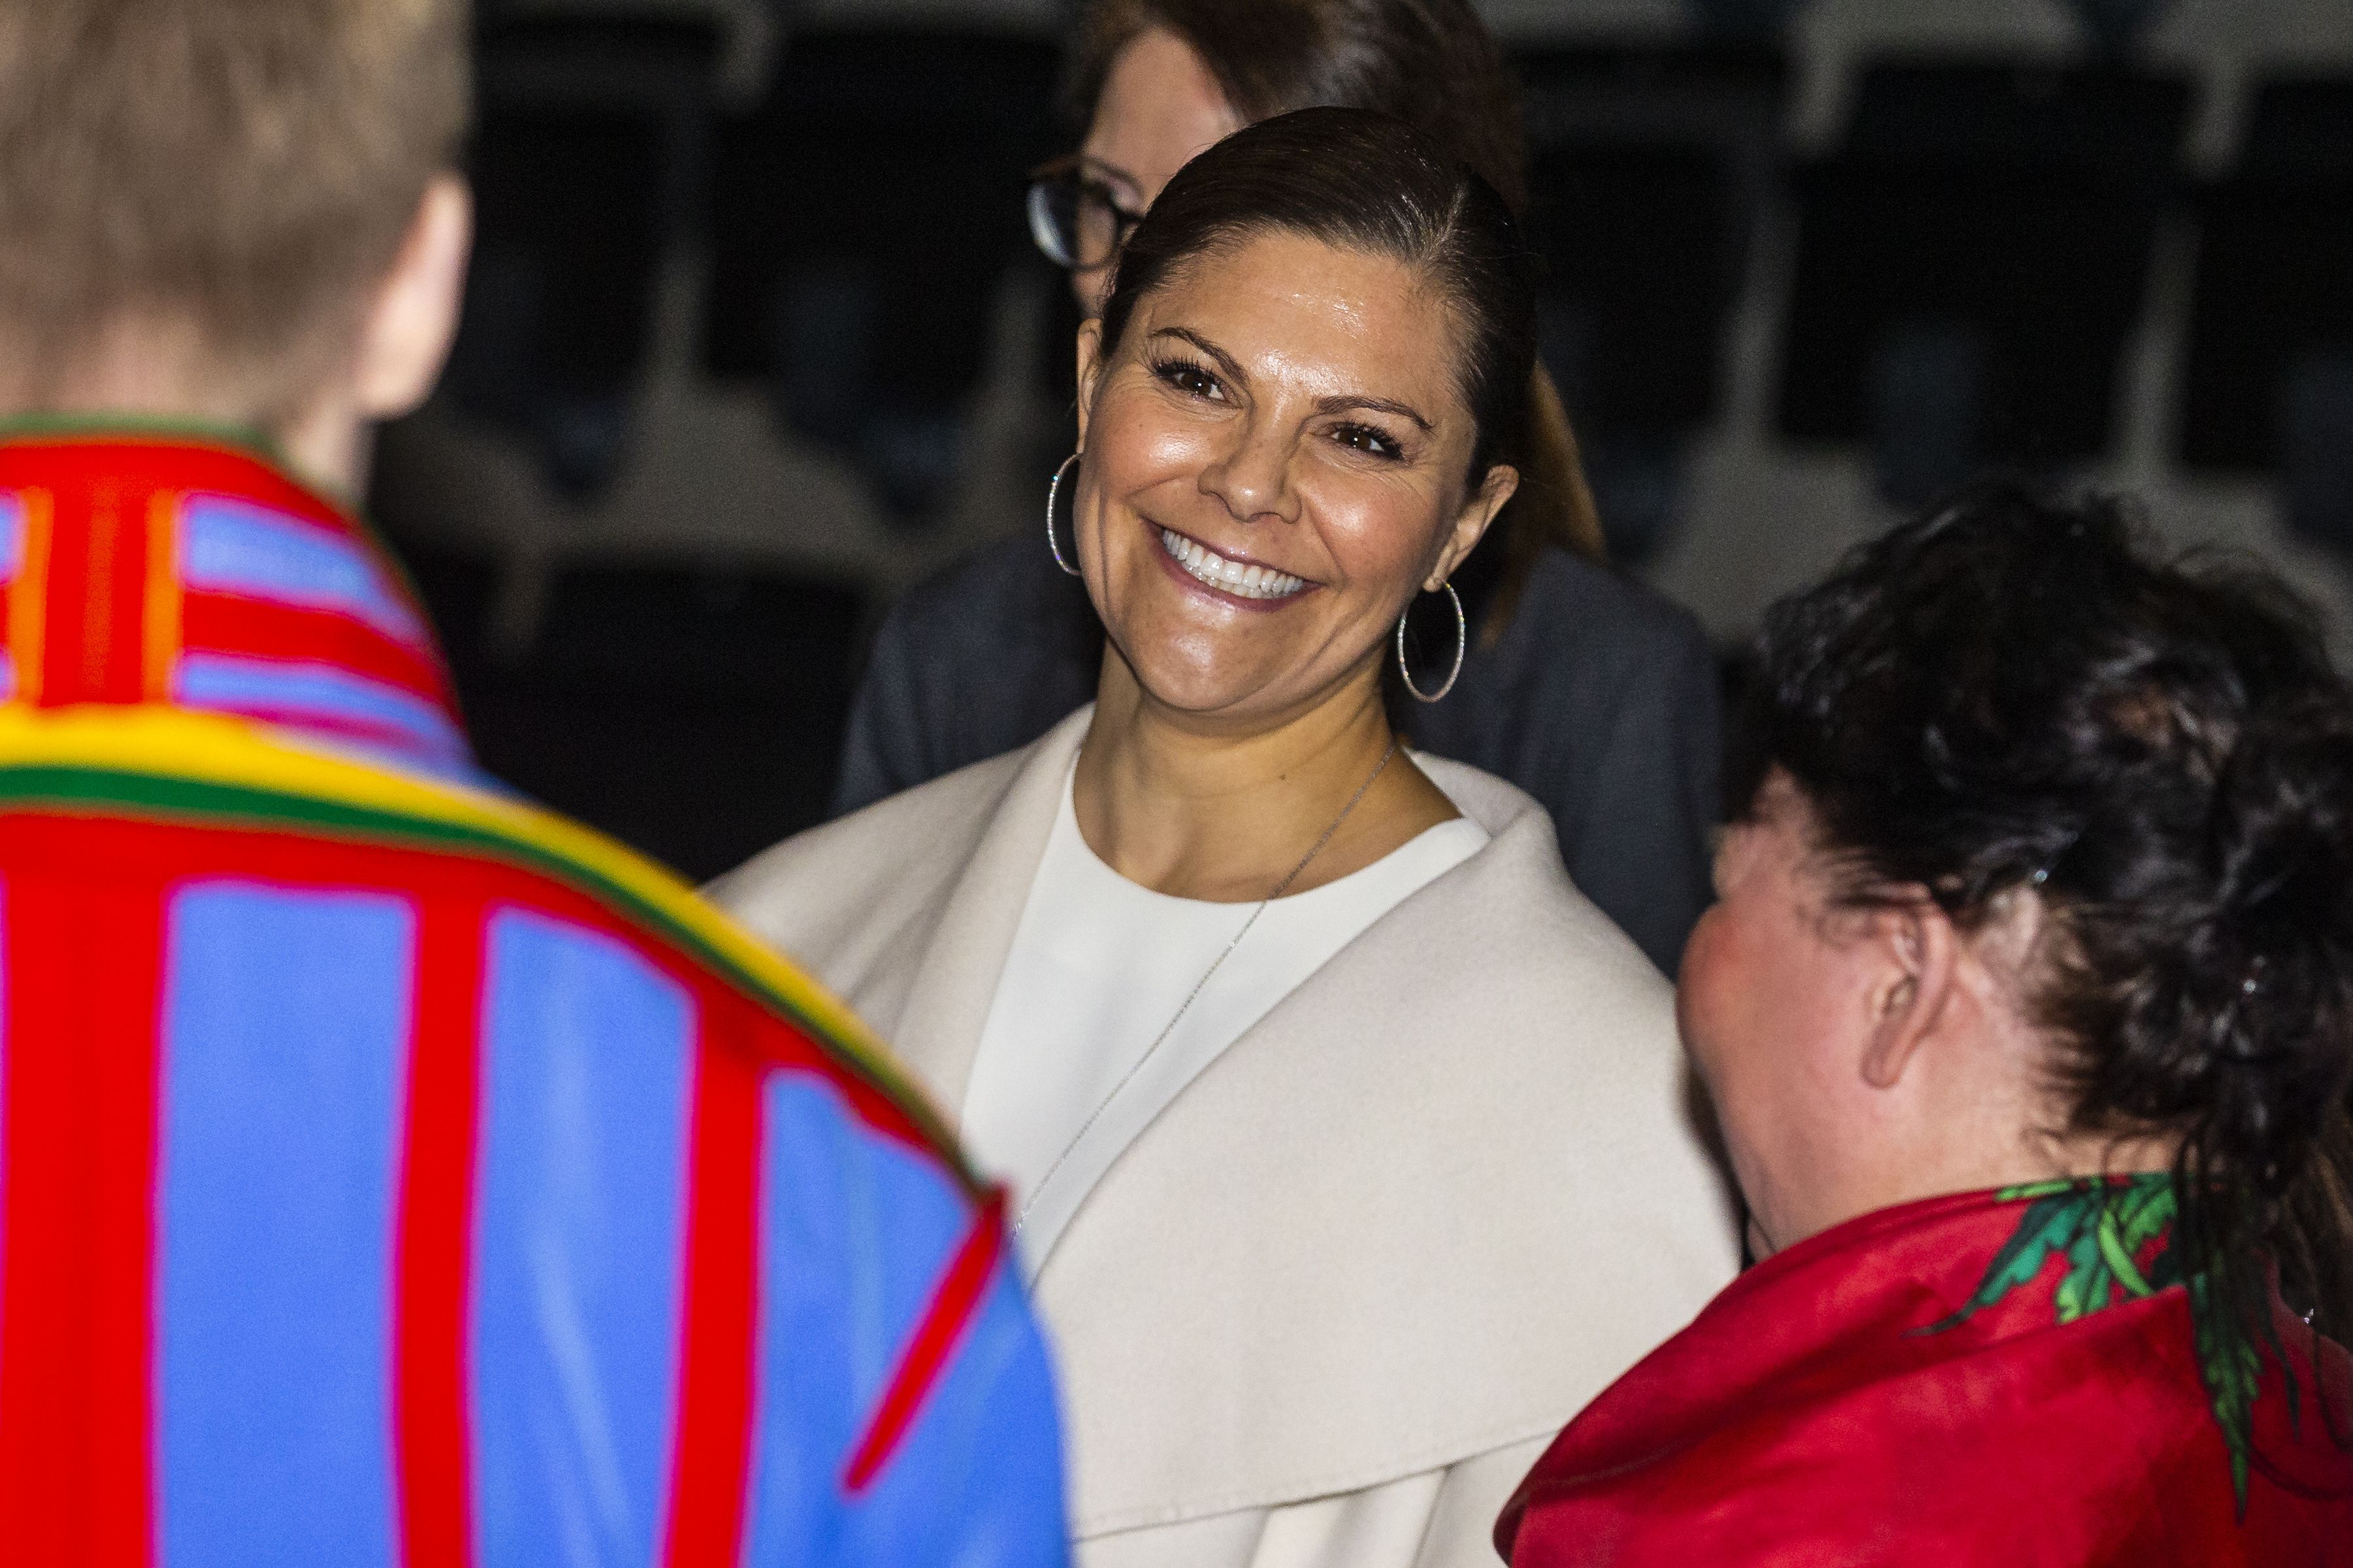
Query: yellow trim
x,y
159,622
29,594
173,744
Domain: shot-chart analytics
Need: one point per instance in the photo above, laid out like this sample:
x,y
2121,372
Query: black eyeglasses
x,y
1076,215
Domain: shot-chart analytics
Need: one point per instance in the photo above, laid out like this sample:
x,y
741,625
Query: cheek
x,y
1379,529
1741,1022
1136,442
1710,974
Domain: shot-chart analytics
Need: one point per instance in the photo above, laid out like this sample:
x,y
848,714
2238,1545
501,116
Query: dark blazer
x,y
1600,700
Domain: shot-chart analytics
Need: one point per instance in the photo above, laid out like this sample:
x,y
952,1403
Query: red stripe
x,y
431,1434
935,1341
86,846
93,648
84,964
256,628
710,1470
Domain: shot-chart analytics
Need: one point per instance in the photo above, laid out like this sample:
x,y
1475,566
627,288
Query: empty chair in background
x,y
1593,694
587,154
696,705
2269,378
1647,166
1970,262
862,220
625,649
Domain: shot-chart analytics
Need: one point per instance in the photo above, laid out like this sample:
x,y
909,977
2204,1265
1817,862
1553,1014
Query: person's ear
x,y
1089,371
1916,955
412,318
1470,524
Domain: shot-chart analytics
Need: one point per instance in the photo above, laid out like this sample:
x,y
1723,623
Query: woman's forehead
x,y
1302,305
1158,108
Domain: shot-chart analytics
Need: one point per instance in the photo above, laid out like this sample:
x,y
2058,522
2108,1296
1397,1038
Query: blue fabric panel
x,y
856,1232
286,1027
243,685
12,535
235,547
978,1480
578,1264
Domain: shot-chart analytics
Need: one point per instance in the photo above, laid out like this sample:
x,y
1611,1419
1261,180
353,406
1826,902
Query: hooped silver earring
x,y
1053,495
1462,646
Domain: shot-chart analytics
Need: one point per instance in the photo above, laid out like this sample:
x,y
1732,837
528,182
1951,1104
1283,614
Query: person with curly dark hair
x,y
2027,1005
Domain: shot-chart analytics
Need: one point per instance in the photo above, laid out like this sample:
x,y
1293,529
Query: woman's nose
x,y
1253,477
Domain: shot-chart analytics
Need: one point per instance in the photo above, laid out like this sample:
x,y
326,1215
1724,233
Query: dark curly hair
x,y
2014,692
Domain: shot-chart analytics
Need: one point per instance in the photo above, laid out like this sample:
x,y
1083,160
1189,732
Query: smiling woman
x,y
1565,678
1325,1099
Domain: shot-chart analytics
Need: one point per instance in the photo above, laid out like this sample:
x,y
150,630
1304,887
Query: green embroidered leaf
x,y
2144,1213
2119,1258
2036,1190
2087,1285
2102,1229
2049,1225
2232,1366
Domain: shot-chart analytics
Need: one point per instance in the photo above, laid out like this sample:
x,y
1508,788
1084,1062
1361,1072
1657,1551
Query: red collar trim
x,y
166,569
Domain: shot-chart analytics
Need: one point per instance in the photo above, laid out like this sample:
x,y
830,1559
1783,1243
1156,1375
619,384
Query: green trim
x,y
190,800
250,440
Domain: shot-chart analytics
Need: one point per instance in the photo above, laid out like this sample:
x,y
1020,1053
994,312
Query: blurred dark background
x,y
755,338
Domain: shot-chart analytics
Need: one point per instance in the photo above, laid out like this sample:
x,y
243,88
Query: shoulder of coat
x,y
932,825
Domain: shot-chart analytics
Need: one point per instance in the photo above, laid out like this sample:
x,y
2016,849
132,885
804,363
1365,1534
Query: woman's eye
x,y
1188,378
1364,438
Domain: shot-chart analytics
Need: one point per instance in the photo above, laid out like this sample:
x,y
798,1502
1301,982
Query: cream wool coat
x,y
1328,1309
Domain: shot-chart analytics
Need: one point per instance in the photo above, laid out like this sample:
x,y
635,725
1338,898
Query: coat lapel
x,y
1483,1087
938,1031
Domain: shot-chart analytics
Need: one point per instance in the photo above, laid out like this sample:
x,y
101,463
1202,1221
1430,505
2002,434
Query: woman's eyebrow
x,y
1125,184
1345,401
1338,403
1226,362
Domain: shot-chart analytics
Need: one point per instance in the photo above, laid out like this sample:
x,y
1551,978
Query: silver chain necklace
x,y
1185,1007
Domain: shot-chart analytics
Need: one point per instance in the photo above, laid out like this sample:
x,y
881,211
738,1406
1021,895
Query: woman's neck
x,y
1224,814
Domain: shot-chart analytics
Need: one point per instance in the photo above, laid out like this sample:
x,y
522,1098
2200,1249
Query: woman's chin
x,y
1213,691
1204,695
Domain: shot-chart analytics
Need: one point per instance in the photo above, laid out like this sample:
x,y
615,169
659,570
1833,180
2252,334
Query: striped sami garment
x,y
392,1174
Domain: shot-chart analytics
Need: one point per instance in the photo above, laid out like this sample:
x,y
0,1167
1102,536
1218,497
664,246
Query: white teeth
x,y
1233,576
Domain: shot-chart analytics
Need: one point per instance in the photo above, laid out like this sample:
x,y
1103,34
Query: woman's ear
x,y
1090,372
1917,955
1470,524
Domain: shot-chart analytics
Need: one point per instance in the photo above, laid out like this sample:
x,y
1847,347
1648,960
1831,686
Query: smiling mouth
x,y
1207,566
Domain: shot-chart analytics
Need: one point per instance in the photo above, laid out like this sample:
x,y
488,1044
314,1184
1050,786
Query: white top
x,y
1099,967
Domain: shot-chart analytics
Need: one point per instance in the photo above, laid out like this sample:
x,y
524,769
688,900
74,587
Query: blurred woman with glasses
x,y
1590,693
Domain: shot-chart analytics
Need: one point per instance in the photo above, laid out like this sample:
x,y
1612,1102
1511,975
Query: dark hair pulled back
x,y
1365,183
2012,693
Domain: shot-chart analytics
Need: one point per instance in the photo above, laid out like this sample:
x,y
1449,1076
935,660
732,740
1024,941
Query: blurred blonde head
x,y
206,205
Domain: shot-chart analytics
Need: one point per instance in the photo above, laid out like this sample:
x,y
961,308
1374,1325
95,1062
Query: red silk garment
x,y
1902,1390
